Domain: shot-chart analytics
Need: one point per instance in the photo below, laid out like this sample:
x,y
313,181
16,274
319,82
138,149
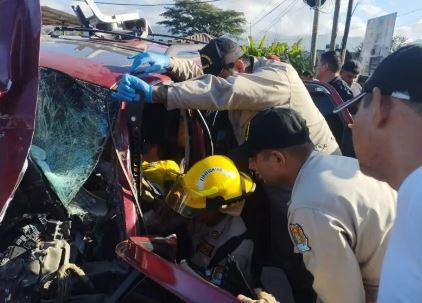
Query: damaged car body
x,y
71,197
69,169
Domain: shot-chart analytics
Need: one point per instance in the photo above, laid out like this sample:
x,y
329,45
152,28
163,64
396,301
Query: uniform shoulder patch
x,y
299,237
205,248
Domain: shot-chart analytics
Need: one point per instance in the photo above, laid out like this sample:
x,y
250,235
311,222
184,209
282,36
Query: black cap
x,y
398,75
351,66
271,129
219,53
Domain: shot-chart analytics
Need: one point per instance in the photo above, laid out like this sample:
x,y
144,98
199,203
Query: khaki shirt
x,y
206,241
340,220
271,84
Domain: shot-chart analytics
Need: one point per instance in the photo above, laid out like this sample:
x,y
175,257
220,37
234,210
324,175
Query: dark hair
x,y
307,73
246,60
351,66
332,60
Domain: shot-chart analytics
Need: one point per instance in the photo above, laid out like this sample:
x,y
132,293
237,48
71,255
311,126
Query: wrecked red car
x,y
70,170
70,177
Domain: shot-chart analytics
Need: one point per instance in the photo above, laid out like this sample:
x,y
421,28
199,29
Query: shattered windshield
x,y
71,129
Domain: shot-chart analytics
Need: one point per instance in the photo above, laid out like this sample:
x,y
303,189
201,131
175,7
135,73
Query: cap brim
x,y
244,151
349,103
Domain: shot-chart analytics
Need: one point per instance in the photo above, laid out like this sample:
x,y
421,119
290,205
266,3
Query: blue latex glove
x,y
133,89
149,62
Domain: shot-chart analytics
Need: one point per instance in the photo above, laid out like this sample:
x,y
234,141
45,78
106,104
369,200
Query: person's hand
x,y
263,297
149,62
131,89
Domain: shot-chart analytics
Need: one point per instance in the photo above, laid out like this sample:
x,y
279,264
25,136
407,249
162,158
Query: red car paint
x,y
21,27
172,277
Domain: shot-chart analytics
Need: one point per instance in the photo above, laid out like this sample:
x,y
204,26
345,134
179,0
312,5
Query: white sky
x,y
292,18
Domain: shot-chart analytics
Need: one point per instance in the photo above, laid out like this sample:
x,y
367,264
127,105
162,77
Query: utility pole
x,y
250,28
315,31
335,26
346,30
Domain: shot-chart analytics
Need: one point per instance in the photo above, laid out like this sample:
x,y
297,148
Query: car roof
x,y
97,61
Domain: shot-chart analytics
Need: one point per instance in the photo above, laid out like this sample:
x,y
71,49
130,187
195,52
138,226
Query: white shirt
x,y
401,276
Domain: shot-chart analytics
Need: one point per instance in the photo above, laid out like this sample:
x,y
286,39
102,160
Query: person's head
x,y
388,117
277,144
328,66
307,76
211,185
350,71
222,57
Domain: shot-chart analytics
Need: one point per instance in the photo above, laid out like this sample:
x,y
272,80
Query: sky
x,y
291,20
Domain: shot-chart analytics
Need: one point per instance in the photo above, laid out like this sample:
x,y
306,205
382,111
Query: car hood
x,y
20,40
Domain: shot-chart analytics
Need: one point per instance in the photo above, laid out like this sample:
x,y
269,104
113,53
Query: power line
x,y
279,16
411,12
267,4
272,10
160,4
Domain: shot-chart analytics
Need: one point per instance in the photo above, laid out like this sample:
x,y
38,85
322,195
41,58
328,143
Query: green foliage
x,y
189,17
293,54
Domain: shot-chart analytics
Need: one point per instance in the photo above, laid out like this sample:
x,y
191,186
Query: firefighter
x,y
211,195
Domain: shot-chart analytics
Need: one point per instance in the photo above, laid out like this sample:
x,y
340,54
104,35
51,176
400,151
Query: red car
x,y
70,178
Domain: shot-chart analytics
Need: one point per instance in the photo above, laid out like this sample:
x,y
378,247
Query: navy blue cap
x,y
273,128
219,53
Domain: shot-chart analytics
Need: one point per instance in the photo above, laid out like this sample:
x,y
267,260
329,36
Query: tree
x,y
398,41
188,17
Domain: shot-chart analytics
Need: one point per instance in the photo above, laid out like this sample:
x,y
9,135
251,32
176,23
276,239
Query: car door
x,y
19,39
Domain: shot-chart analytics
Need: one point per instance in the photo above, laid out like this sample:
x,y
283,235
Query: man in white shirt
x,y
338,218
387,140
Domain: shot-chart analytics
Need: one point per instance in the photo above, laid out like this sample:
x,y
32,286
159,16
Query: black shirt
x,y
342,88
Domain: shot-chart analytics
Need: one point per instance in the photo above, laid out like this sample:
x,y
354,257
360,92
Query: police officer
x,y
387,125
243,85
232,81
339,219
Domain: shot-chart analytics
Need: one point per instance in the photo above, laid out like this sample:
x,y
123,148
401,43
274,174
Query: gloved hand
x,y
131,89
263,297
149,62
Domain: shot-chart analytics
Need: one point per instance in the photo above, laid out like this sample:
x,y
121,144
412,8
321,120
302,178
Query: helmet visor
x,y
181,200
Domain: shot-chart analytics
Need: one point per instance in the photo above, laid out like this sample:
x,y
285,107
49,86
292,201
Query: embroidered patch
x,y
299,238
206,61
205,248
215,234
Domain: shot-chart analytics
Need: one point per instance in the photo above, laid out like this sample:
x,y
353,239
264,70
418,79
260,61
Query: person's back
x,y
332,196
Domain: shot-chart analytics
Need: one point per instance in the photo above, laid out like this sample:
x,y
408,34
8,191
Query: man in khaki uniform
x,y
232,81
243,85
339,219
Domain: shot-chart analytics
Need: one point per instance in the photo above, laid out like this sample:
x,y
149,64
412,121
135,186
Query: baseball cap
x,y
398,75
219,53
271,129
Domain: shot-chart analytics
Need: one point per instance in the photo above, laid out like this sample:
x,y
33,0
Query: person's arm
x,y
265,88
184,69
327,253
